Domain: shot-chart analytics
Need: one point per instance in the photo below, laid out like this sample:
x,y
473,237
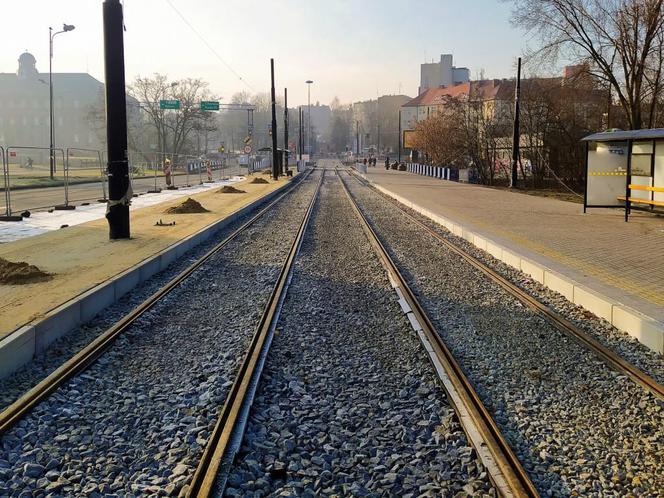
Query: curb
x,y
645,329
20,346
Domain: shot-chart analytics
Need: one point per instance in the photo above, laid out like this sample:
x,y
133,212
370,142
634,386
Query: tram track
x,y
99,348
564,325
227,434
348,405
507,473
569,414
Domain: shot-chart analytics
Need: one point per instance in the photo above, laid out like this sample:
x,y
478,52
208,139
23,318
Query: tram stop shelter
x,y
625,169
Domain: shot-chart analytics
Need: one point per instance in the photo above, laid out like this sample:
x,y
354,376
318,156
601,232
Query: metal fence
x,y
434,171
78,175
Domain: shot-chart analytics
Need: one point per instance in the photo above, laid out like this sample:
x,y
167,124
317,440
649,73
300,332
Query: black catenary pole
x,y
357,139
119,189
516,134
286,149
275,163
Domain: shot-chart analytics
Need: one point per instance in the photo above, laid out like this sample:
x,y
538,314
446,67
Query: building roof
x,y
622,135
436,96
72,82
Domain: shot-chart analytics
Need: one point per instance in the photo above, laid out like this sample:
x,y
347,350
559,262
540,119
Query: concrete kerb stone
x,y
644,328
559,284
19,347
16,350
648,331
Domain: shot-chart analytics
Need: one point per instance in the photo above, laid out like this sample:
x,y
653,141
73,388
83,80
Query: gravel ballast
x,y
578,427
137,420
348,404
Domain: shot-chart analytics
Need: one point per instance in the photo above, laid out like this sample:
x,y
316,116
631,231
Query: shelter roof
x,y
622,135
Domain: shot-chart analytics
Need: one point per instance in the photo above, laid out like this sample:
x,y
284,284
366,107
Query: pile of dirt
x,y
259,180
229,189
21,273
188,206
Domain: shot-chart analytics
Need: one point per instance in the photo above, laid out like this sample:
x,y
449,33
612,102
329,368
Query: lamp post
x,y
51,35
309,82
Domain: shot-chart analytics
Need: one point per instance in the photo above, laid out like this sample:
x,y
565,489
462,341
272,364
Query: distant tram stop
x,y
625,169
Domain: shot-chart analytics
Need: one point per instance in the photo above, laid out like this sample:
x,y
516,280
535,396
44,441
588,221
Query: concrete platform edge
x,y
19,347
645,329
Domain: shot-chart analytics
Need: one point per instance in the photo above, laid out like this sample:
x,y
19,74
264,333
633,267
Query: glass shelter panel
x,y
607,171
658,173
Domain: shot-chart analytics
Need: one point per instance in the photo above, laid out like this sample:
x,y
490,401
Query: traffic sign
x,y
247,149
247,140
209,105
169,104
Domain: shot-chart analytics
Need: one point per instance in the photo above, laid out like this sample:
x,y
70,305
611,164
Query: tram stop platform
x,y
612,268
89,272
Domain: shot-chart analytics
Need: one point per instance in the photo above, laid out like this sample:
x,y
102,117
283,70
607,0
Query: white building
x,y
443,73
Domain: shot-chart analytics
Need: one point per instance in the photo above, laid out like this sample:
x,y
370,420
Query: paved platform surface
x,y
624,261
81,257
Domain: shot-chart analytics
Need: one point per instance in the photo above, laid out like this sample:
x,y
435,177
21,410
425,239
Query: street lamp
x,y
51,35
309,82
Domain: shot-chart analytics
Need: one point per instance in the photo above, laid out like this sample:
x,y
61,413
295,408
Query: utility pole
x,y
275,164
286,150
378,144
309,82
299,148
119,187
357,139
399,153
516,134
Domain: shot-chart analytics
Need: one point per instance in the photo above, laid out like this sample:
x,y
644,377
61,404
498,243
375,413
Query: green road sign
x,y
209,105
169,104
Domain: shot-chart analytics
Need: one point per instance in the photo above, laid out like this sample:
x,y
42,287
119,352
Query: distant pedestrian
x,y
208,166
365,161
28,163
387,162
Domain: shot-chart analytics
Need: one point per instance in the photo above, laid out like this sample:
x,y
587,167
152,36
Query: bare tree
x,y
620,42
173,127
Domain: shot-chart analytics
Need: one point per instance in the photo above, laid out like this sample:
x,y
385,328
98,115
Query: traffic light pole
x,y
275,153
119,187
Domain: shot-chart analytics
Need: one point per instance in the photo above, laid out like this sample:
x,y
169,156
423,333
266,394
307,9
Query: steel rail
x,y
562,324
503,467
86,356
240,395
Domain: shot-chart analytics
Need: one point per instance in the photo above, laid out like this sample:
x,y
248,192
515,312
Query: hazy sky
x,y
353,49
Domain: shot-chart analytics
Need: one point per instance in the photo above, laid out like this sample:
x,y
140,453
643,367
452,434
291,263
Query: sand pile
x,y
21,273
188,206
229,189
259,180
